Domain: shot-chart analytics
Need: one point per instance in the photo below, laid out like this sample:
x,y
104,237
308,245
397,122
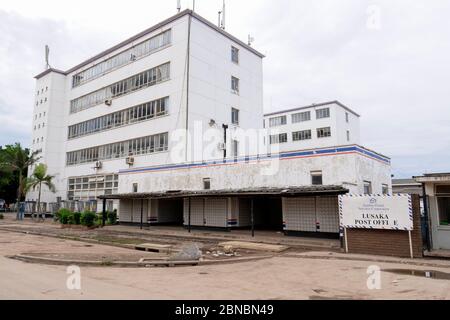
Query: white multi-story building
x,y
130,101
169,124
318,125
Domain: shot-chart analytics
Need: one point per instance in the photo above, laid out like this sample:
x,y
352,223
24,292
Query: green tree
x,y
14,161
37,179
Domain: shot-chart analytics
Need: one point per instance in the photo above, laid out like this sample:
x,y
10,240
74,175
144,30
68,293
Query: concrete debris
x,y
188,252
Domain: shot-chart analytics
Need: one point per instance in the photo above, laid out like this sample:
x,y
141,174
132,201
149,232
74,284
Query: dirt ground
x,y
279,277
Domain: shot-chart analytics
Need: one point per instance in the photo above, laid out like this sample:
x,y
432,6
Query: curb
x,y
131,264
417,262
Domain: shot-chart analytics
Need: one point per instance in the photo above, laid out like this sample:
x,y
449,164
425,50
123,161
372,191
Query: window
x,y
234,116
140,50
135,187
206,183
43,124
323,113
234,85
301,116
348,135
44,113
142,112
235,145
323,132
234,54
367,187
141,80
301,135
277,121
384,189
137,146
278,138
444,210
346,117
316,178
443,204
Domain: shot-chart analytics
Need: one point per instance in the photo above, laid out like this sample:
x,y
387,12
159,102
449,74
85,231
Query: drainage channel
x,y
432,274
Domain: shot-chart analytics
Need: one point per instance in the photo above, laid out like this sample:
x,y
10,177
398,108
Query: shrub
x,y
112,217
76,217
1,216
88,218
64,215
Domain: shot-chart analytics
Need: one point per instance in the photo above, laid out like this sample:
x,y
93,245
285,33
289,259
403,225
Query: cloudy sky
x,y
387,60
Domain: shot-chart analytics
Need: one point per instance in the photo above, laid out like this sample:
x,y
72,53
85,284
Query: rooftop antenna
x,y
218,21
223,16
47,53
179,5
250,40
193,5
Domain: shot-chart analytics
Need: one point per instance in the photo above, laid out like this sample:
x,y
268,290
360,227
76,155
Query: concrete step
x,y
154,247
254,246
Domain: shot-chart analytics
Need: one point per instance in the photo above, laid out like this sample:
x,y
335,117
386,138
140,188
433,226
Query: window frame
x,y
316,174
234,54
323,113
324,131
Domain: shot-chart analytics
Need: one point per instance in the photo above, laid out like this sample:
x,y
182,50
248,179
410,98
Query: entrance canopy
x,y
249,192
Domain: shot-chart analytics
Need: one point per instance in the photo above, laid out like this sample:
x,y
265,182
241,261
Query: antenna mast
x,y
47,53
179,5
223,16
250,40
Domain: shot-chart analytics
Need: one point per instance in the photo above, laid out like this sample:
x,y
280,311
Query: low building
x,y
437,207
410,186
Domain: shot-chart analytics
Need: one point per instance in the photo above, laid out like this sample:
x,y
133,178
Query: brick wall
x,y
388,242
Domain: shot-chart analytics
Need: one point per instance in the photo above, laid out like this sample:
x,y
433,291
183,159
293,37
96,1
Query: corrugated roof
x,y
404,182
286,192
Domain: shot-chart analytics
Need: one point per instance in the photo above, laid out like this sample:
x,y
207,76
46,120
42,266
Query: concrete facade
x,y
342,121
199,93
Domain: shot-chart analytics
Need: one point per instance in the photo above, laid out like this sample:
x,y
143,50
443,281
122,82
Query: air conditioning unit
x,y
221,146
108,102
133,57
98,165
130,160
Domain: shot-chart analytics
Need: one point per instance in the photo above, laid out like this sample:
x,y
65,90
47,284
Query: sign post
x,y
387,212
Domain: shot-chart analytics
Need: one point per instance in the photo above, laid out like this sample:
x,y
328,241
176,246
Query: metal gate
x,y
311,214
206,212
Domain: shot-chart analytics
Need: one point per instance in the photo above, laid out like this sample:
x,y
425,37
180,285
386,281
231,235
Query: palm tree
x,y
38,178
15,158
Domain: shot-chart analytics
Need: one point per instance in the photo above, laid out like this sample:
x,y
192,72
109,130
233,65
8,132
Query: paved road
x,y
275,278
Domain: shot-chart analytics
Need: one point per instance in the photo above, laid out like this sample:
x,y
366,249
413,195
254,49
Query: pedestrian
x,y
21,210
